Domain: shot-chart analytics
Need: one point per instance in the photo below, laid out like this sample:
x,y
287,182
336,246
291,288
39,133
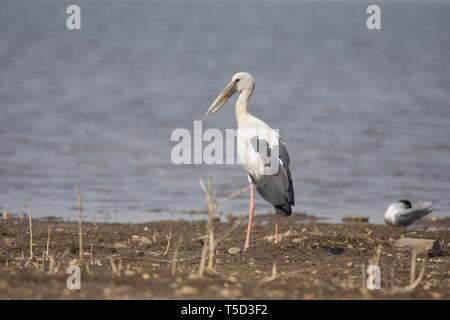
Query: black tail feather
x,y
284,210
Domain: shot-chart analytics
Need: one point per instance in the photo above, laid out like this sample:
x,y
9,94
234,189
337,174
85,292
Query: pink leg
x,y
251,211
276,228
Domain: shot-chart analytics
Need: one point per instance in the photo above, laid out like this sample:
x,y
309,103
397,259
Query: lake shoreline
x,y
160,260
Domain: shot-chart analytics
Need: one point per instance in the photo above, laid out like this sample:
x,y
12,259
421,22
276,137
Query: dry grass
x,y
80,223
213,203
31,230
413,281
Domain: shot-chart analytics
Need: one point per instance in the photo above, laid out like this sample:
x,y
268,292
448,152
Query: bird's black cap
x,y
406,202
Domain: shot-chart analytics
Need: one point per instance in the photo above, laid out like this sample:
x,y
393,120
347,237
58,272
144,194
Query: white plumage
x,y
403,213
261,151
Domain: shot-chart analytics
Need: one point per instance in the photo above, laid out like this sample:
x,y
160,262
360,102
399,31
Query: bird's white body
x,y
249,127
403,213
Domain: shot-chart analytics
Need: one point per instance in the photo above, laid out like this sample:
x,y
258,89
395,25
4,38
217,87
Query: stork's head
x,y
241,81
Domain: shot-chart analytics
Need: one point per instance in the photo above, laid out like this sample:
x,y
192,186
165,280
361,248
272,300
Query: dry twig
x,y
31,230
212,203
169,238
413,281
80,225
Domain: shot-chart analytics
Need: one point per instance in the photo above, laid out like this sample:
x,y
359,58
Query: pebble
x,y
73,262
145,276
9,242
141,239
129,273
234,250
120,245
230,293
433,274
187,290
349,265
86,254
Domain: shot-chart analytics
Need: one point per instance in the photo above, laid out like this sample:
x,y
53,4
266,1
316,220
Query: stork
x,y
261,151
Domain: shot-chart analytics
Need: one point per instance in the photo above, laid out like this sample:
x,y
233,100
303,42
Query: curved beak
x,y
222,98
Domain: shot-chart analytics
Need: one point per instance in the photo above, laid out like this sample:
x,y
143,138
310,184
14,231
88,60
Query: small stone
x,y
349,265
349,246
234,250
140,239
362,249
129,273
230,293
187,291
120,245
357,219
297,240
420,245
145,276
73,262
434,274
9,242
436,295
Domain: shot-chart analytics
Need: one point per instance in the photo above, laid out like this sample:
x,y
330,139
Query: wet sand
x,y
160,260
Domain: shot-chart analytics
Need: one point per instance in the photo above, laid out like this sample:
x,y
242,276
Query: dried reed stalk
x,y
80,224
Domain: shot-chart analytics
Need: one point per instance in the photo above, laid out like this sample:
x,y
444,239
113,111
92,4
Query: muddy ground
x,y
314,260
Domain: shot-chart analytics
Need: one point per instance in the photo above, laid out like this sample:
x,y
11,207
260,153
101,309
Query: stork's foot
x,y
275,237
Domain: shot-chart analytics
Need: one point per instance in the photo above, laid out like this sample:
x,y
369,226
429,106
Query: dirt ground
x,y
160,260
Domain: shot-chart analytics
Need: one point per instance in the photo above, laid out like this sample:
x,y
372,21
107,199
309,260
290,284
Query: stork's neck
x,y
241,104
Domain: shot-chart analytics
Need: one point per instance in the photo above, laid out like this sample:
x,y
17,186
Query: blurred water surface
x,y
366,114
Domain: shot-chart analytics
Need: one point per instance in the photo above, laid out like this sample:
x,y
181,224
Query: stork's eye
x,y
237,80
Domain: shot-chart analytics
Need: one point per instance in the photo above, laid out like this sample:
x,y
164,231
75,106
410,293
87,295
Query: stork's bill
x,y
222,98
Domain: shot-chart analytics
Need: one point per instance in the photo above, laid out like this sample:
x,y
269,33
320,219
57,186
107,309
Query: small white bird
x,y
403,213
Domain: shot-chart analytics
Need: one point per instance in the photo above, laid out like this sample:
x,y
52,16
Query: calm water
x,y
366,114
